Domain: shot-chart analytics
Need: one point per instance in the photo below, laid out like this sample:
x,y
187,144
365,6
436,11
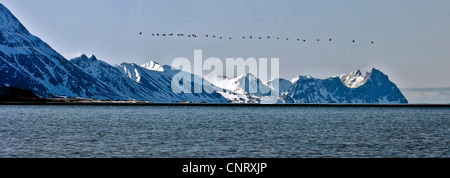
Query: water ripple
x,y
182,131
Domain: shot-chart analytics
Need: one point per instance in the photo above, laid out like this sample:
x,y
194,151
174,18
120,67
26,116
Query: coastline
x,y
89,102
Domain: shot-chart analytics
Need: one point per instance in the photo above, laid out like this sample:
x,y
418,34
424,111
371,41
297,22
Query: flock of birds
x,y
220,37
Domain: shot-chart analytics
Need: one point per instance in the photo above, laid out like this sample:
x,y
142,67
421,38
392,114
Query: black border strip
x,y
172,167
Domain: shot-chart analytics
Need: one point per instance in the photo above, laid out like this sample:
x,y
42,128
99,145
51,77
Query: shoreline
x,y
142,103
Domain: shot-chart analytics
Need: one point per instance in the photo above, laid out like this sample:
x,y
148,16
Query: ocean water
x,y
221,131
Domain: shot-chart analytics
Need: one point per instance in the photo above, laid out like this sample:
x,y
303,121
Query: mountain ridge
x,y
374,88
27,62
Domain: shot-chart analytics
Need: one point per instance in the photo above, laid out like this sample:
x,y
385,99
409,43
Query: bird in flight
x,y
243,37
140,33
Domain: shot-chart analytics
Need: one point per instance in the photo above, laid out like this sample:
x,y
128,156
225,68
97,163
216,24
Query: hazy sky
x,y
412,37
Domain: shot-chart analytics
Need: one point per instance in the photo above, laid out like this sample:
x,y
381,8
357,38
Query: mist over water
x,y
203,131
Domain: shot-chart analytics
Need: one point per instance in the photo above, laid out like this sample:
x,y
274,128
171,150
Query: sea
x,y
77,131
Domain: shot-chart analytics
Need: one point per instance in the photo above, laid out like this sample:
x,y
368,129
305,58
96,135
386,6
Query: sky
x,y
411,37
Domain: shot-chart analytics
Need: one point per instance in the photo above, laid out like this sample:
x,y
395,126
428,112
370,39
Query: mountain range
x,y
27,62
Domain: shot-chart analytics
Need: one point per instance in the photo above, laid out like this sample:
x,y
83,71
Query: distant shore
x,y
91,102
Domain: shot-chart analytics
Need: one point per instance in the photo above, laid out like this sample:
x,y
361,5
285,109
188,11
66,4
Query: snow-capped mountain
x,y
159,84
112,77
245,88
27,62
374,87
148,82
243,84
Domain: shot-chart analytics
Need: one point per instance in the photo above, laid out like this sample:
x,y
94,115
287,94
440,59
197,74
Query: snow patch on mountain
x,y
152,65
243,84
279,85
245,88
353,80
